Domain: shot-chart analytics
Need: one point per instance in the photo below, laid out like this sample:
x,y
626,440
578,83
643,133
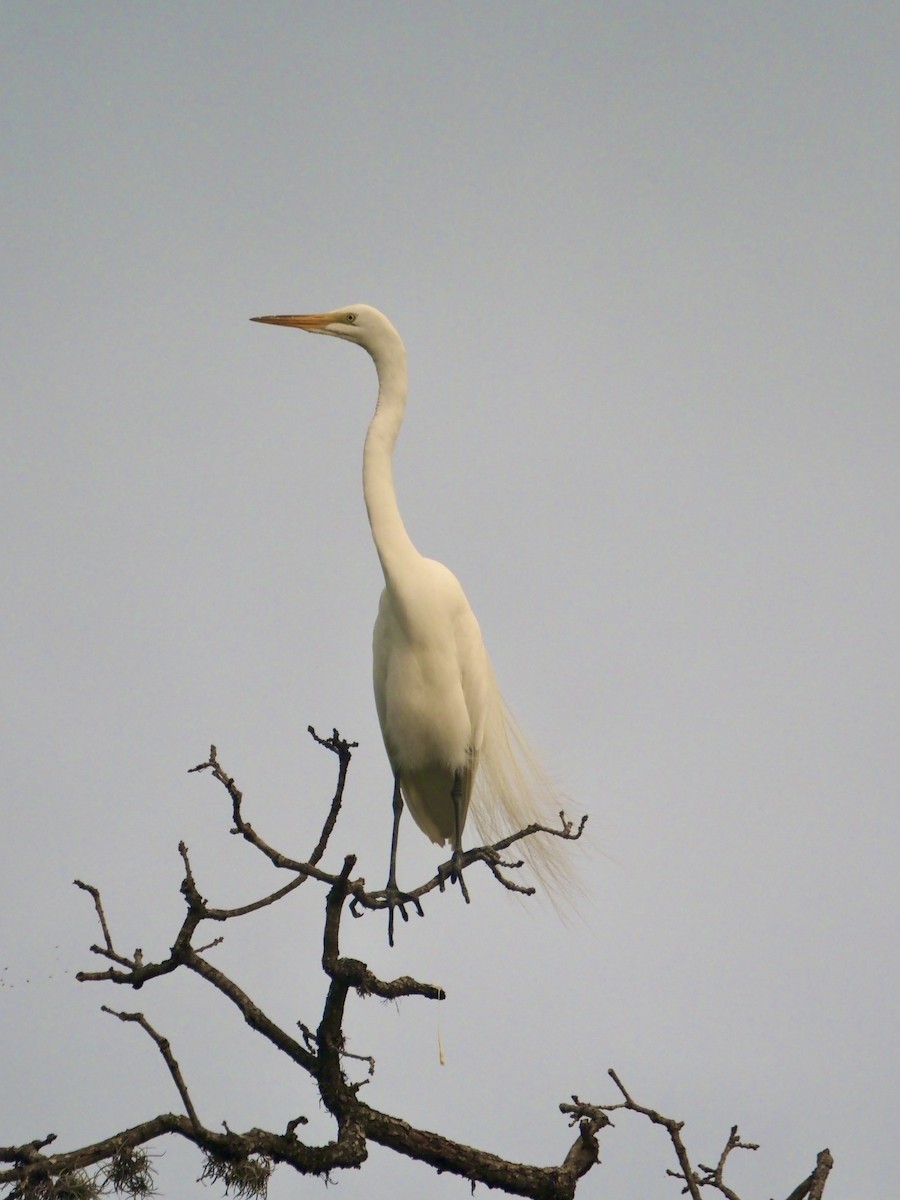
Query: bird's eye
x,y
351,317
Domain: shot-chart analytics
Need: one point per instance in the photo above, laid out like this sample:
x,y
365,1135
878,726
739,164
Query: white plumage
x,y
448,736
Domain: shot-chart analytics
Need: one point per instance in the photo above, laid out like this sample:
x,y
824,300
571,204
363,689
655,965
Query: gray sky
x,y
644,258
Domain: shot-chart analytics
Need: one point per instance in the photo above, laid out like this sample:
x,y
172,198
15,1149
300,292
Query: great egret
x,y
448,735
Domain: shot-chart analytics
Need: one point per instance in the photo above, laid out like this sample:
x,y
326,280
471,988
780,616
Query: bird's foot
x,y
397,901
453,871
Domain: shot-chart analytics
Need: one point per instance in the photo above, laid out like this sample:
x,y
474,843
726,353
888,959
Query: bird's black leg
x,y
456,796
395,833
396,898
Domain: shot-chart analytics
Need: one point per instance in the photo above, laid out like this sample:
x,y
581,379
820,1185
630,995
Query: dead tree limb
x,y
244,1161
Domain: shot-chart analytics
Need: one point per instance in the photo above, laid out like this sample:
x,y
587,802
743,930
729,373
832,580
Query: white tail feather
x,y
513,791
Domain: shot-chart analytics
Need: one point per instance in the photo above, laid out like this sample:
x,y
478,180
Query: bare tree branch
x,y
673,1128
713,1176
243,1162
168,1057
814,1185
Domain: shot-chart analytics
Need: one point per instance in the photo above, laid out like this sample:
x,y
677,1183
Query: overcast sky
x,y
645,260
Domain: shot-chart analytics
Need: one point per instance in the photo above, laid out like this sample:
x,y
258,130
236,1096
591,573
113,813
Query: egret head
x,y
358,323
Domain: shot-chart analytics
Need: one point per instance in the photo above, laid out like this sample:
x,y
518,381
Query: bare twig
x,y
243,828
165,1050
107,950
337,745
713,1176
673,1128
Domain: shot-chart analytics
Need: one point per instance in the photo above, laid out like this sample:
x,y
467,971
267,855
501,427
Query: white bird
x,y
446,730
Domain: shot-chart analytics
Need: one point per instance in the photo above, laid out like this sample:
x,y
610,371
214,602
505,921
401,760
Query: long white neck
x,y
388,531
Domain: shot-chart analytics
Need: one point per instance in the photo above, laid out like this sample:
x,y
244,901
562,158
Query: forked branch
x,y
243,1161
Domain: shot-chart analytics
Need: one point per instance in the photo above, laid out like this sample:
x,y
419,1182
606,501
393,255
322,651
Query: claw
x,y
452,870
456,874
397,901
